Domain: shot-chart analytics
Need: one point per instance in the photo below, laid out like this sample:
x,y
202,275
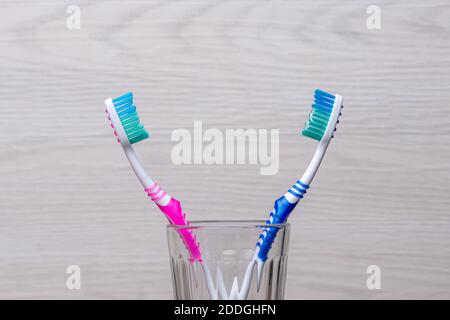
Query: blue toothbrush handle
x,y
281,210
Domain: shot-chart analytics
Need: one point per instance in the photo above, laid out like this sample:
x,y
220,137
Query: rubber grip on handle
x,y
174,213
281,210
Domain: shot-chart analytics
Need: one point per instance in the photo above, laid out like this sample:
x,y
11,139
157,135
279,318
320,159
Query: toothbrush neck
x,y
313,166
138,169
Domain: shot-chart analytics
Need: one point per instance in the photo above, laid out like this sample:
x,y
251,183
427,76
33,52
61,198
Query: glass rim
x,y
228,224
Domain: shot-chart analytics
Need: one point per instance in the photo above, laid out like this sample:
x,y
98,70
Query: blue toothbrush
x,y
320,126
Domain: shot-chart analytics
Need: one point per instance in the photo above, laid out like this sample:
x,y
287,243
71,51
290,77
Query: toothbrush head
x,y
124,119
324,116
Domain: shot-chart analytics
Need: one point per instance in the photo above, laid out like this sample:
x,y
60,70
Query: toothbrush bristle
x,y
126,110
318,119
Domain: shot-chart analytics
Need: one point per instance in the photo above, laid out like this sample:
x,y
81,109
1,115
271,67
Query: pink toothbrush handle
x,y
175,214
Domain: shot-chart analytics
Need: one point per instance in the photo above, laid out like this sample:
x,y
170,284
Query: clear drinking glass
x,y
227,248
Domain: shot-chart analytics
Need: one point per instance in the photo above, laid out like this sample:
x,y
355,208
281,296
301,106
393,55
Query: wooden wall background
x,y
66,192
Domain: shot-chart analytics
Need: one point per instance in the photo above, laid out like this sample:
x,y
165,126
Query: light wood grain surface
x,y
67,195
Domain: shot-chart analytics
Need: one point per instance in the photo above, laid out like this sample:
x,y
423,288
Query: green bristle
x,y
126,110
318,119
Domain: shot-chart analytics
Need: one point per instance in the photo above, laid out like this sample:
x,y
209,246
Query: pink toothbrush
x,y
128,130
